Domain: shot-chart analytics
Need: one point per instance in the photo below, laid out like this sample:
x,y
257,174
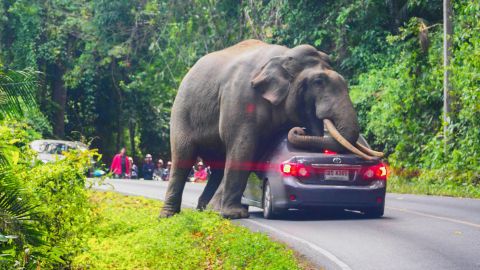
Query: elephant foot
x,y
166,213
235,212
202,206
215,204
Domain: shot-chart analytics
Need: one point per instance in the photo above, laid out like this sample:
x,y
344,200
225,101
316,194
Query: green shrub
x,y
44,208
64,213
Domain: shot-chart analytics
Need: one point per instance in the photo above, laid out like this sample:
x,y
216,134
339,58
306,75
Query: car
x,y
51,150
287,177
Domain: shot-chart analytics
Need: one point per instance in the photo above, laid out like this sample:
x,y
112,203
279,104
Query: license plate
x,y
341,175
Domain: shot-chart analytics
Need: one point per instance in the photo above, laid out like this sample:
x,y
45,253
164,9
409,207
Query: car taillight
x,y
329,152
375,172
294,169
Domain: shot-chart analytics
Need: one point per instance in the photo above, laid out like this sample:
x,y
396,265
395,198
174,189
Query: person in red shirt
x,y
121,165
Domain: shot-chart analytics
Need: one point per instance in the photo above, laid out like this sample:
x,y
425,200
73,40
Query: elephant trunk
x,y
344,117
297,137
337,142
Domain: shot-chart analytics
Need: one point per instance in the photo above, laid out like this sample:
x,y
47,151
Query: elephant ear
x,y
273,80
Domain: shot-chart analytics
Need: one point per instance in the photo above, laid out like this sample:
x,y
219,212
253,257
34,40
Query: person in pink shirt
x,y
121,165
201,174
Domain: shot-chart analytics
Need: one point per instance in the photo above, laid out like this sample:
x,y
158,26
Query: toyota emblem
x,y
337,160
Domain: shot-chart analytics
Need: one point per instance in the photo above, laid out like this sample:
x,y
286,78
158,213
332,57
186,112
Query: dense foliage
x,y
43,207
129,236
109,70
405,114
44,210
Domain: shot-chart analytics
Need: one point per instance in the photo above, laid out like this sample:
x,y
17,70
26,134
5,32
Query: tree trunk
x,y
447,51
120,109
59,99
132,138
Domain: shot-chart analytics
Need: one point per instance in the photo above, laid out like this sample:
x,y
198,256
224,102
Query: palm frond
x,y
16,212
17,92
5,156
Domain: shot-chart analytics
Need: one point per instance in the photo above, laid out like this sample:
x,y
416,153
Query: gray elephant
x,y
233,101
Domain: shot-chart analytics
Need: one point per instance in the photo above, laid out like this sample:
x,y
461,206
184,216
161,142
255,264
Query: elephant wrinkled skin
x,y
233,101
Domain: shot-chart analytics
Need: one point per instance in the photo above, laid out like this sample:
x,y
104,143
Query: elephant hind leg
x,y
210,188
183,158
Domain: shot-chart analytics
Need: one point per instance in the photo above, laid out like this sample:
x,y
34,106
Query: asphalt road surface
x,y
417,232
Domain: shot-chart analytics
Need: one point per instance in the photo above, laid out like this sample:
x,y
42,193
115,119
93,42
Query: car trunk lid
x,y
338,169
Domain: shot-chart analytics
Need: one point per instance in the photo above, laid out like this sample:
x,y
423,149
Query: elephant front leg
x,y
232,195
238,166
173,197
182,160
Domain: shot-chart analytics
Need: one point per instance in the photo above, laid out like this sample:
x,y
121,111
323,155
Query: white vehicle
x,y
51,150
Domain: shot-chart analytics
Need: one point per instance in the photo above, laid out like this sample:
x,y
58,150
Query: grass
x,y
128,235
433,186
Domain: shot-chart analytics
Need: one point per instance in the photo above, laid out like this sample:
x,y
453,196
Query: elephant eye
x,y
320,80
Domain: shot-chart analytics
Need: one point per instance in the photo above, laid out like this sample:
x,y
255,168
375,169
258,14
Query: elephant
x,y
231,103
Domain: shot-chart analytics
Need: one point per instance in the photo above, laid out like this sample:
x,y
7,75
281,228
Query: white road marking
x,y
322,251
435,216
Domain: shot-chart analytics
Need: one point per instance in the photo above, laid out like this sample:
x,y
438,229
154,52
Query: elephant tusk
x,y
337,136
369,151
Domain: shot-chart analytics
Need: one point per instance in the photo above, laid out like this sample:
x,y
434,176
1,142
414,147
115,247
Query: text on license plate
x,y
336,175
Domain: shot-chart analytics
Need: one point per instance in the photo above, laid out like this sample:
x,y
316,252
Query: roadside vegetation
x,y
400,99
128,235
44,208
432,186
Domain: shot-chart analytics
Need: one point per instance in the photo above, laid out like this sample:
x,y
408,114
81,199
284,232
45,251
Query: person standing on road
x,y
134,169
201,175
148,168
120,165
166,171
157,173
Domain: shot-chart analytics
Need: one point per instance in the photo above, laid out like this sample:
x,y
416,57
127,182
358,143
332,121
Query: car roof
x,y
74,144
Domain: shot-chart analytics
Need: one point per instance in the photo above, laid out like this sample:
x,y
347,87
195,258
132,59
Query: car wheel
x,y
374,212
269,211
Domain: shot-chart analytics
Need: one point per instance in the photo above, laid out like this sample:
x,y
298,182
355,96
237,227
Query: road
x,y
417,232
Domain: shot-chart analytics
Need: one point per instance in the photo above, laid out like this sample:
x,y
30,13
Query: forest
x,y
106,71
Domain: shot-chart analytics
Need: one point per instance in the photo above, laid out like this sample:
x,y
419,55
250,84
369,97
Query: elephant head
x,y
313,95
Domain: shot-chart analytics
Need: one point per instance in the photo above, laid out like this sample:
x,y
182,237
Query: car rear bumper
x,y
306,196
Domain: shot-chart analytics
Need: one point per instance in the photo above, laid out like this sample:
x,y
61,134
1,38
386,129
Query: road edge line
x,y
324,252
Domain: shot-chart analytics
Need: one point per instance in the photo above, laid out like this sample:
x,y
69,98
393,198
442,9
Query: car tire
x,y
374,212
269,211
